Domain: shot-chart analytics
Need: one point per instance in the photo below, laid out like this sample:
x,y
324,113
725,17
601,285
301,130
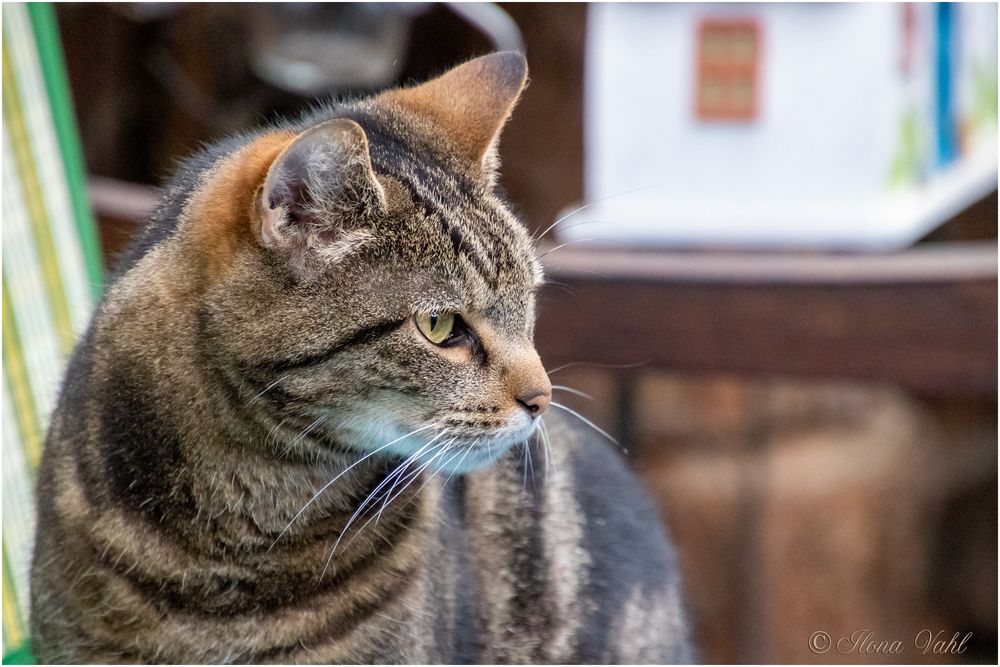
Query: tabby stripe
x,y
364,336
269,413
389,150
342,627
463,249
201,598
467,246
426,198
460,244
530,561
467,641
296,589
413,170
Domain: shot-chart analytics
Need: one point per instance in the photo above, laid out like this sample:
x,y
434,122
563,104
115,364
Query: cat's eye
x,y
436,327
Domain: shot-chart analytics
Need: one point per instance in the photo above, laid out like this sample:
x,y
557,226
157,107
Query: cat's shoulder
x,y
602,481
632,565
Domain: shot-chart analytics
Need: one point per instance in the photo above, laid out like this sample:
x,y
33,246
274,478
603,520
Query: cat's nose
x,y
535,403
528,382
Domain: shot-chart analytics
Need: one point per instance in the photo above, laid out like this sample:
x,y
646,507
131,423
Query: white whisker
x,y
590,222
563,286
589,204
395,474
338,476
398,470
546,445
563,387
589,423
437,469
270,434
545,452
460,461
531,466
419,452
411,477
266,389
569,243
593,364
524,467
308,429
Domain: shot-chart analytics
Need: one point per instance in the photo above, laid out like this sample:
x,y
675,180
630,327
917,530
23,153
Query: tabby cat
x,y
305,424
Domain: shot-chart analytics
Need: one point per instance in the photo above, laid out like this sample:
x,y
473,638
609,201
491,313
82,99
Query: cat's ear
x,y
319,185
470,102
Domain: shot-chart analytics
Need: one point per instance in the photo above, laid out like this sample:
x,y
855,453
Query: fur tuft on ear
x,y
470,103
319,191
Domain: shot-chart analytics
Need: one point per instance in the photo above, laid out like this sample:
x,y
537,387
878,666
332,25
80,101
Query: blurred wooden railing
x,y
925,317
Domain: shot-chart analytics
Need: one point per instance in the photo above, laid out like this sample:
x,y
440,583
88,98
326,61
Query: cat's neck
x,y
275,487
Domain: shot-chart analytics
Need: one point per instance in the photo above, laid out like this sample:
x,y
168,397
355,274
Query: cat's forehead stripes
x,y
485,242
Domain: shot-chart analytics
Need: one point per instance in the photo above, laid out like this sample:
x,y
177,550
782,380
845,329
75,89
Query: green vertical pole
x,y
50,55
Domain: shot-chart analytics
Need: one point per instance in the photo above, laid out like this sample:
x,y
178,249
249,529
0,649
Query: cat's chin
x,y
470,458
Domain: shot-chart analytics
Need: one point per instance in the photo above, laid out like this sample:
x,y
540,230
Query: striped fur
x,y
248,382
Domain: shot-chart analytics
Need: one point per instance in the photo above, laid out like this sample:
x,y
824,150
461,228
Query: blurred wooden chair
x,y
52,275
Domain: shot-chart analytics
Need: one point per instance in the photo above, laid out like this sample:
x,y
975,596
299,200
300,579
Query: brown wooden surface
x,y
925,318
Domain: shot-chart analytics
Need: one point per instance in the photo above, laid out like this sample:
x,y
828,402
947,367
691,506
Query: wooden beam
x,y
121,200
925,318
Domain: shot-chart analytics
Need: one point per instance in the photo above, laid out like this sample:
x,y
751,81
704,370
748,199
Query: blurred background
x,y
771,236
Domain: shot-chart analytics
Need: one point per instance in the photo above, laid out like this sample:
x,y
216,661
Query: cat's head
x,y
363,282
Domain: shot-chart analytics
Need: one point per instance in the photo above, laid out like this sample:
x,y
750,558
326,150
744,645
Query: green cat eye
x,y
436,327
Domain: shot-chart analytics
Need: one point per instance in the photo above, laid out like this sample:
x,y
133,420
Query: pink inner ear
x,y
320,181
287,187
285,197
270,220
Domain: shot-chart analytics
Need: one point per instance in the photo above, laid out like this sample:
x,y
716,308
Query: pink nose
x,y
528,382
536,403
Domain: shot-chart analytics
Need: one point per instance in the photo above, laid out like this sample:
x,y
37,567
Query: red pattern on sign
x,y
728,64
